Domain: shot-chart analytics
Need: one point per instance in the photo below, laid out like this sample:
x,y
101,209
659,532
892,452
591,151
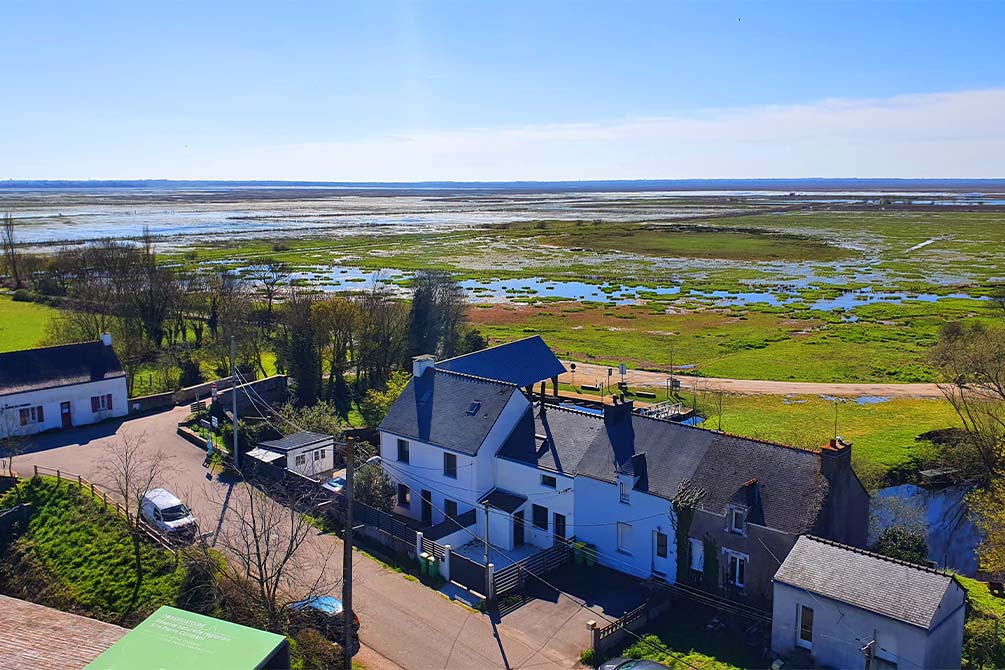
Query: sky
x,y
501,90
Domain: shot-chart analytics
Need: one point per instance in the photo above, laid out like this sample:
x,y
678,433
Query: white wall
x,y
525,480
312,467
598,509
424,471
838,631
79,397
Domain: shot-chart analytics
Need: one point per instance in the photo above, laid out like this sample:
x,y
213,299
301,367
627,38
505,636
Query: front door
x,y
559,527
427,508
518,528
64,411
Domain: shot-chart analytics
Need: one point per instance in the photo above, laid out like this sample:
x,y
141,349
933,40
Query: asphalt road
x,y
404,624
591,372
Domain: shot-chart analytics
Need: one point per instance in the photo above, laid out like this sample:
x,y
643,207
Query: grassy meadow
x,y
22,324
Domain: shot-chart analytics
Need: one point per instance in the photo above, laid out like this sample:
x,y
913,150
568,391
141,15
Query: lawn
x,y
882,433
22,324
76,554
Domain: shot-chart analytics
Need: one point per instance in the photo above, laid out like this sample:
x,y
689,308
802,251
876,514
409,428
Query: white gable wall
x,y
525,480
840,631
79,397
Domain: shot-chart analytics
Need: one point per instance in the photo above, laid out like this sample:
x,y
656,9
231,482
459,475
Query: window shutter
x,y
109,397
94,403
41,414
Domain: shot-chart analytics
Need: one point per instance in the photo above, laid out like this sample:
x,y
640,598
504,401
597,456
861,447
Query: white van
x,y
167,513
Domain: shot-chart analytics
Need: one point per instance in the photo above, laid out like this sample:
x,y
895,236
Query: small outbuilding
x,y
842,607
305,453
61,387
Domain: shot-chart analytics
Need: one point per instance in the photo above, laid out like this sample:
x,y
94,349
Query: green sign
x,y
173,639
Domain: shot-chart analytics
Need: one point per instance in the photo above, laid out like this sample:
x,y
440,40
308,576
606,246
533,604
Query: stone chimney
x,y
422,363
835,457
106,339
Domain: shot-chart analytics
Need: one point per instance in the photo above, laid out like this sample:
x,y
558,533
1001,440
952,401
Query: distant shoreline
x,y
626,185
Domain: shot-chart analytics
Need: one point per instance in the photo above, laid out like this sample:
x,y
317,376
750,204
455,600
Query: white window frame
x,y
30,416
624,538
300,460
731,514
697,554
624,492
732,575
402,443
800,642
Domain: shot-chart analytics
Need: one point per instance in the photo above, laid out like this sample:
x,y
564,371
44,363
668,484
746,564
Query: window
x,y
540,517
100,403
473,408
403,451
301,459
697,554
450,465
738,521
661,544
31,415
805,620
319,454
549,481
450,508
623,492
322,454
624,537
404,496
737,569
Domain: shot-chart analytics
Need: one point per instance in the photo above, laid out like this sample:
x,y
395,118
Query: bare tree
x,y
270,273
13,440
273,556
132,470
10,252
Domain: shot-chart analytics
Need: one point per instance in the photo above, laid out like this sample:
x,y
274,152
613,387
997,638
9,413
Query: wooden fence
x,y
617,633
107,499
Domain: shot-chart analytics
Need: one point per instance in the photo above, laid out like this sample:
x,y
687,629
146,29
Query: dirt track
x,y
590,372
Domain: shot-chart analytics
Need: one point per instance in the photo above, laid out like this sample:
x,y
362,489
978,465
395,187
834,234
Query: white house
x,y
61,387
471,434
842,607
305,453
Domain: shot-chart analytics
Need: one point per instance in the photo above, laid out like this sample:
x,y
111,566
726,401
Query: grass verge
x,y
22,324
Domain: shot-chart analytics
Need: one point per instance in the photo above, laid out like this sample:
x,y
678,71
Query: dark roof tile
x,y
62,365
523,362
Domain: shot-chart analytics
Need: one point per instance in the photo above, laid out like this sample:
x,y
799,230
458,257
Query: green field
x,y
22,324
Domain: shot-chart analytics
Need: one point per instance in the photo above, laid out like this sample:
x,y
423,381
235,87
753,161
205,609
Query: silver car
x,y
167,513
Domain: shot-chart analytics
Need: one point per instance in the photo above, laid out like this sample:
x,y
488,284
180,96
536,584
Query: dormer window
x,y
473,408
738,521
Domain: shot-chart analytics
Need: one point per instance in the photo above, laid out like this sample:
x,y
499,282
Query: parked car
x,y
632,664
335,484
167,513
373,460
325,614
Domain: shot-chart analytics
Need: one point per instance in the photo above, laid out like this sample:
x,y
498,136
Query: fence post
x,y
445,566
59,477
418,543
490,582
80,481
591,626
92,488
104,498
36,471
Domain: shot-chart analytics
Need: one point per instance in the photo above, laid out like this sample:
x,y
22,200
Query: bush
x,y
316,652
589,657
904,544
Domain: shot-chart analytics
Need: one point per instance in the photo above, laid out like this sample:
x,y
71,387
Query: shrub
x,y
589,657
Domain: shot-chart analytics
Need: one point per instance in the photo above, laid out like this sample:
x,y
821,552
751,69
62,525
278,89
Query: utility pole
x,y
670,383
487,594
347,619
233,395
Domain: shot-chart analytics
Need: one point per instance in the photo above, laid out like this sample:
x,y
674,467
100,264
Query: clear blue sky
x,y
501,90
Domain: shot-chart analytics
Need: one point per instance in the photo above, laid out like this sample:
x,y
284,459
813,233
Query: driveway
x,y
405,624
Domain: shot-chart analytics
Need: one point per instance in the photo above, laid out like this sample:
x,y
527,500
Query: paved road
x,y
405,624
589,372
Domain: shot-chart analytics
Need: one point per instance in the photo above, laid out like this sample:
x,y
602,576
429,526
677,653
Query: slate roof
x,y
790,489
435,409
504,500
895,589
296,441
62,365
523,362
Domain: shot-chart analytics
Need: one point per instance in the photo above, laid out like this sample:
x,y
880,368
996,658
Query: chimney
x,y
106,339
835,457
618,411
422,363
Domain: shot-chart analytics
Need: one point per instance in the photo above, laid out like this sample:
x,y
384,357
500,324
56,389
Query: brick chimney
x,y
422,363
835,457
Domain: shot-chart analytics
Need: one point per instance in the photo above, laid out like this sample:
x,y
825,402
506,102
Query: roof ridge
x,y
51,346
494,346
889,559
475,377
